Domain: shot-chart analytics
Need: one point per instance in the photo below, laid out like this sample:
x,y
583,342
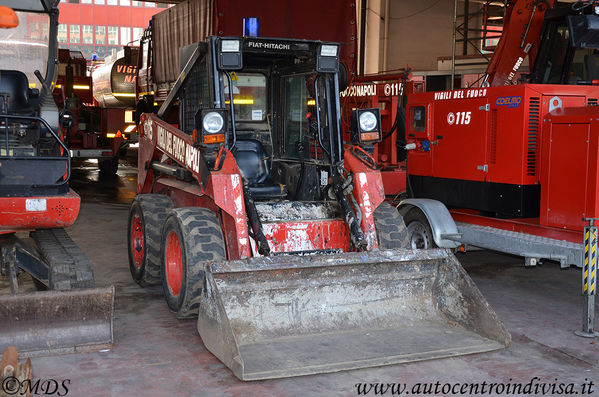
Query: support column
x,y
589,281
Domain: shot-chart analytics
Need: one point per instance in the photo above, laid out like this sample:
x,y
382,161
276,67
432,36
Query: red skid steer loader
x,y
35,198
253,213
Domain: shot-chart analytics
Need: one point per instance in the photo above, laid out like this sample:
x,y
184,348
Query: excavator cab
x,y
568,47
37,202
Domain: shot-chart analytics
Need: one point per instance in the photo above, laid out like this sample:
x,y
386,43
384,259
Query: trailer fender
x,y
442,224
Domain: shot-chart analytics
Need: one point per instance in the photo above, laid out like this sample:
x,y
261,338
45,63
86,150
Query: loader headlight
x,y
212,123
368,121
327,59
366,126
229,54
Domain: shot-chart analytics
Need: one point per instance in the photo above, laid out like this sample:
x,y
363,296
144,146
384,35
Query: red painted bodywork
x,y
512,131
380,91
570,171
221,191
61,211
520,38
368,191
307,236
106,120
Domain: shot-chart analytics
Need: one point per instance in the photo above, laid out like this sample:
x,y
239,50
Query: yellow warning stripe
x,y
587,243
593,263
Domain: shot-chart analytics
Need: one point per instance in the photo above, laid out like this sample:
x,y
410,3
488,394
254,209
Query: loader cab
x,y
280,102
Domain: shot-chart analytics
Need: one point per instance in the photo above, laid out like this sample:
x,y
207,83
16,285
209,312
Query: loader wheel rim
x,y
174,263
137,241
419,238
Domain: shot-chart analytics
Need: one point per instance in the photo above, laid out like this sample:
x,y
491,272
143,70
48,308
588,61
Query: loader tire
x,y
146,218
421,234
391,230
190,237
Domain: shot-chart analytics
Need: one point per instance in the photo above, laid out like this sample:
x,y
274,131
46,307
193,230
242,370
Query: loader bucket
x,y
281,316
56,322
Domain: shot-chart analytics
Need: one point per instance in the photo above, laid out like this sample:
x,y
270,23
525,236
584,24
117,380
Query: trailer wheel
x,y
190,237
146,217
421,234
390,227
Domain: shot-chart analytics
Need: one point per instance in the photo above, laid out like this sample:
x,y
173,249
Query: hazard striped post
x,y
589,280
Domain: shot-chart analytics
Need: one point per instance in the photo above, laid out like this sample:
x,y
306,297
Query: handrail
x,y
67,152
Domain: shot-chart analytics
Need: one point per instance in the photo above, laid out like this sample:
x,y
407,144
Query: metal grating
x,y
534,109
493,138
195,95
592,102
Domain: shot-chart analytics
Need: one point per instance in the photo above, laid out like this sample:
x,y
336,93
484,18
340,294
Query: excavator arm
x,y
521,35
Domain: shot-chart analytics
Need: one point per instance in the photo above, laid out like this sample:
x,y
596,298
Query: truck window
x,y
249,96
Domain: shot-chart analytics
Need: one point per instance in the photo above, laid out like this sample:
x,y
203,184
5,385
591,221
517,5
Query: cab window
x,y
249,96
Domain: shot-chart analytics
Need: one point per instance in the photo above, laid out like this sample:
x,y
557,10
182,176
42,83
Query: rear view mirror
x,y
8,18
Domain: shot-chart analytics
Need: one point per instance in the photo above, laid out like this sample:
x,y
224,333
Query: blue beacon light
x,y
251,27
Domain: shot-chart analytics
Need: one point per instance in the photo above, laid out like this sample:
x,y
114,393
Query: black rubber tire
x,y
200,237
421,234
109,167
390,227
152,210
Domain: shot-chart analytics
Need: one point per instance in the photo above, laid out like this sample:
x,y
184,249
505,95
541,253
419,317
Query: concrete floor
x,y
157,355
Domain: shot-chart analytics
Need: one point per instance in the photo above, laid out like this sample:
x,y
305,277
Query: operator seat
x,y
14,86
251,160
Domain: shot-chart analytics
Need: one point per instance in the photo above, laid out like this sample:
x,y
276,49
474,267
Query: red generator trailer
x,y
253,214
36,202
98,106
515,164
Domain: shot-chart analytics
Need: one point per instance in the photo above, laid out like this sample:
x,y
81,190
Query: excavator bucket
x,y
281,316
55,322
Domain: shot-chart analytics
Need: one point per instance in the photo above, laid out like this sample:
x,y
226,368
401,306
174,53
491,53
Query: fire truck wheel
x,y
421,234
190,237
109,166
390,227
146,217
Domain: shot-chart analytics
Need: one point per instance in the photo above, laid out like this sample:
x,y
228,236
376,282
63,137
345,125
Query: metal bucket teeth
x,y
283,316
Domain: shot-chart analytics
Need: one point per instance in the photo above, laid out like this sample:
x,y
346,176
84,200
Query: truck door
x,y
459,138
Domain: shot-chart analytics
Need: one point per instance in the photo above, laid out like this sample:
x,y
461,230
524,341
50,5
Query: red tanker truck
x,y
98,103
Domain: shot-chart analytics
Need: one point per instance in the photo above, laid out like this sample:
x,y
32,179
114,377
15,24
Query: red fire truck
x,y
97,106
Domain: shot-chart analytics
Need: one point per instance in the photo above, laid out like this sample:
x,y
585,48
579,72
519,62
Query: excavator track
x,y
70,268
71,316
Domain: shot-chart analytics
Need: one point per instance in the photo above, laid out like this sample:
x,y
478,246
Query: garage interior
x,y
532,270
